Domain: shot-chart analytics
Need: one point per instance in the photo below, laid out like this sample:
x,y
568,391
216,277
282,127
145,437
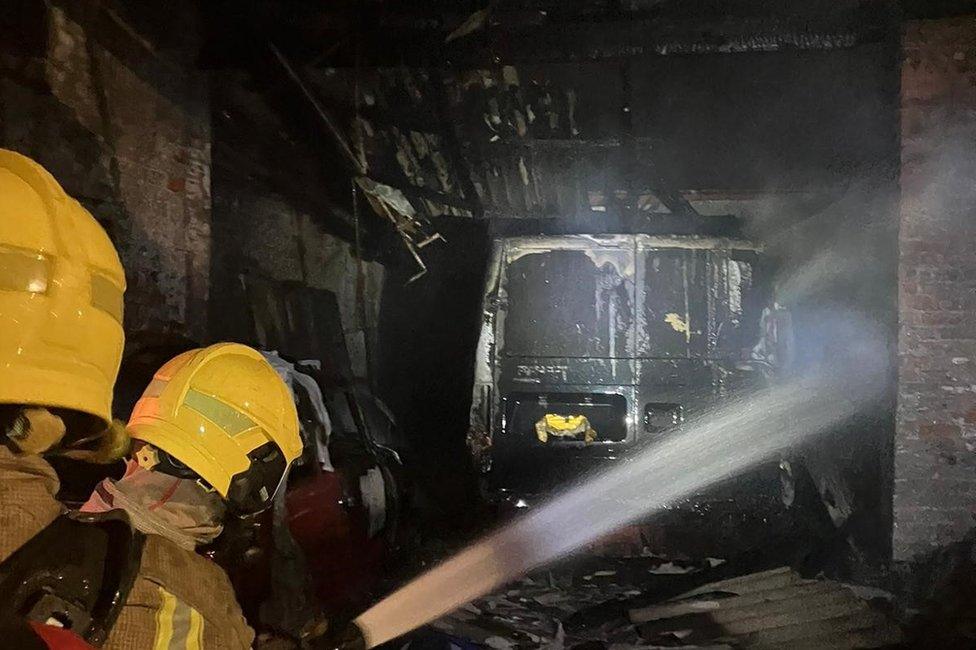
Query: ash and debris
x,y
653,602
591,602
585,601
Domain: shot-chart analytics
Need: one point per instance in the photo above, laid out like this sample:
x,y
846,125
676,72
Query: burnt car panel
x,y
521,373
671,296
605,414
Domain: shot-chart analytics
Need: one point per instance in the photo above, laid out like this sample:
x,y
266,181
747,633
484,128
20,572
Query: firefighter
x,y
213,436
61,288
61,339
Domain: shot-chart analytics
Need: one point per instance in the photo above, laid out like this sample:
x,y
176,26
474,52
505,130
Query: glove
x,y
110,445
349,637
36,430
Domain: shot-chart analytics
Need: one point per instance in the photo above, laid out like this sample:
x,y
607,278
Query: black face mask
x,y
250,491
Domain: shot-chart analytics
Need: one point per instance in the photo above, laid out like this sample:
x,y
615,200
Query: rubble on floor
x,y
566,606
529,614
772,609
657,603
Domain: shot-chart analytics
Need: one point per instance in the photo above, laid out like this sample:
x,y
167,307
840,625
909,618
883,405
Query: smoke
x,y
842,251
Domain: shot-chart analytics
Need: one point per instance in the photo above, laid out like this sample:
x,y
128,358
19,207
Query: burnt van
x,y
593,345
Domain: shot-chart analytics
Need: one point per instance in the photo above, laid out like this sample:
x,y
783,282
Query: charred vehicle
x,y
593,344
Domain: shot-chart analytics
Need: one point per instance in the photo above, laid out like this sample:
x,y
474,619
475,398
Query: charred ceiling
x,y
477,32
605,115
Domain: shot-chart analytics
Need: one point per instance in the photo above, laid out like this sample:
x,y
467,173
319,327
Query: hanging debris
x,y
391,204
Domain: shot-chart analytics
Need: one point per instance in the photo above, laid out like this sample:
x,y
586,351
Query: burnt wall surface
x,y
935,468
122,122
273,227
284,246
110,97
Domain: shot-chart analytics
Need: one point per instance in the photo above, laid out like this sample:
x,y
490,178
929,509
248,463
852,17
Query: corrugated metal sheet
x,y
773,609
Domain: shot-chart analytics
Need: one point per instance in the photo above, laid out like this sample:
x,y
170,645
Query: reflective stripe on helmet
x,y
155,388
105,295
24,271
226,417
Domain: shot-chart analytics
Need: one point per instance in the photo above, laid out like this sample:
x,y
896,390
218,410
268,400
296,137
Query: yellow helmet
x,y
61,288
221,414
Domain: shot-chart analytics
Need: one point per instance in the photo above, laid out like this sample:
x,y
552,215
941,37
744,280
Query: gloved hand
x,y
35,430
105,447
349,637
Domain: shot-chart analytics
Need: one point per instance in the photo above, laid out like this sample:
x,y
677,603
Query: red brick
x,y
920,301
938,430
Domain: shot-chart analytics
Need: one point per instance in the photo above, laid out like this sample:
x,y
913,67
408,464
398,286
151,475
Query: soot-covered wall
x,y
122,121
428,334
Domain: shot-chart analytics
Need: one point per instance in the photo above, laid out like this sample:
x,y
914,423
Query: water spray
x,y
727,441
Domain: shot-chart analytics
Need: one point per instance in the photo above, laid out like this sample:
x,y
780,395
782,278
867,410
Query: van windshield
x,y
569,303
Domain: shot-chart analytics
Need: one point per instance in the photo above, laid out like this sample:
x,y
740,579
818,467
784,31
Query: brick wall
x,y
126,130
935,450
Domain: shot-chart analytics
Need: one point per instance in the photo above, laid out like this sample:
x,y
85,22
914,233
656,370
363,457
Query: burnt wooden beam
x,y
355,166
622,37
630,38
339,138
346,34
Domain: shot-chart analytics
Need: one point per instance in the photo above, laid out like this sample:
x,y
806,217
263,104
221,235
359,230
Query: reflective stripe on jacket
x,y
179,600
